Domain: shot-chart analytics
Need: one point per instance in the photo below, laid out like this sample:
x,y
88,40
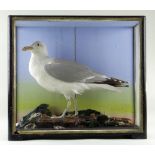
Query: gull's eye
x,y
38,44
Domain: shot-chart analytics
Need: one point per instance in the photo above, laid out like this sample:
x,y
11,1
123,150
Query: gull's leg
x,y
67,108
75,105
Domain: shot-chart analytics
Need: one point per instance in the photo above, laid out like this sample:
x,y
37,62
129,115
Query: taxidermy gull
x,y
66,77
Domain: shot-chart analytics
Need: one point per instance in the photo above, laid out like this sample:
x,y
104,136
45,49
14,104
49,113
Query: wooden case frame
x,y
138,132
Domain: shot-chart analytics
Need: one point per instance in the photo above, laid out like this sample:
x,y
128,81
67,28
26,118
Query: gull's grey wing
x,y
70,71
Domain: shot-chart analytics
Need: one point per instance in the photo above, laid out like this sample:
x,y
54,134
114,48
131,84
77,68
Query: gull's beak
x,y
27,48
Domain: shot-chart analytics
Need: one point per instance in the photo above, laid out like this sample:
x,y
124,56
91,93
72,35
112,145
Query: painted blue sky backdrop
x,y
107,50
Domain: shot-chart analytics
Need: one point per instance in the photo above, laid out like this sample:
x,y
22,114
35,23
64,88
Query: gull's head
x,y
37,48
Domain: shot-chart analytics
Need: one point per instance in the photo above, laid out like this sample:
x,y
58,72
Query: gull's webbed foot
x,y
57,117
60,117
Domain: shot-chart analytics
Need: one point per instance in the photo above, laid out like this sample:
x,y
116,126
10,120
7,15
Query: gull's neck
x,y
39,53
39,56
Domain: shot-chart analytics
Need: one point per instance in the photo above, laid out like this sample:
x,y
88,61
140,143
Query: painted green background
x,y
120,104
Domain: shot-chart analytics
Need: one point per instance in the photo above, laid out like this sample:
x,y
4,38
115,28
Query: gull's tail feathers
x,y
112,84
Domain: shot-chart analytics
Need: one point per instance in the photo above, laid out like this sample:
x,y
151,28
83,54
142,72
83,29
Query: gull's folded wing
x,y
70,71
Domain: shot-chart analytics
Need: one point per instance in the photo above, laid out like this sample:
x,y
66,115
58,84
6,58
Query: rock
x,y
40,118
33,116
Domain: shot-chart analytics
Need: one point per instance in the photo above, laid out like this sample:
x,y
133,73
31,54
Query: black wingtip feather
x,y
113,82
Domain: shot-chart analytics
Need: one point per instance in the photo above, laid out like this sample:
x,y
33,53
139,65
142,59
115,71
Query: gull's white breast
x,y
38,72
